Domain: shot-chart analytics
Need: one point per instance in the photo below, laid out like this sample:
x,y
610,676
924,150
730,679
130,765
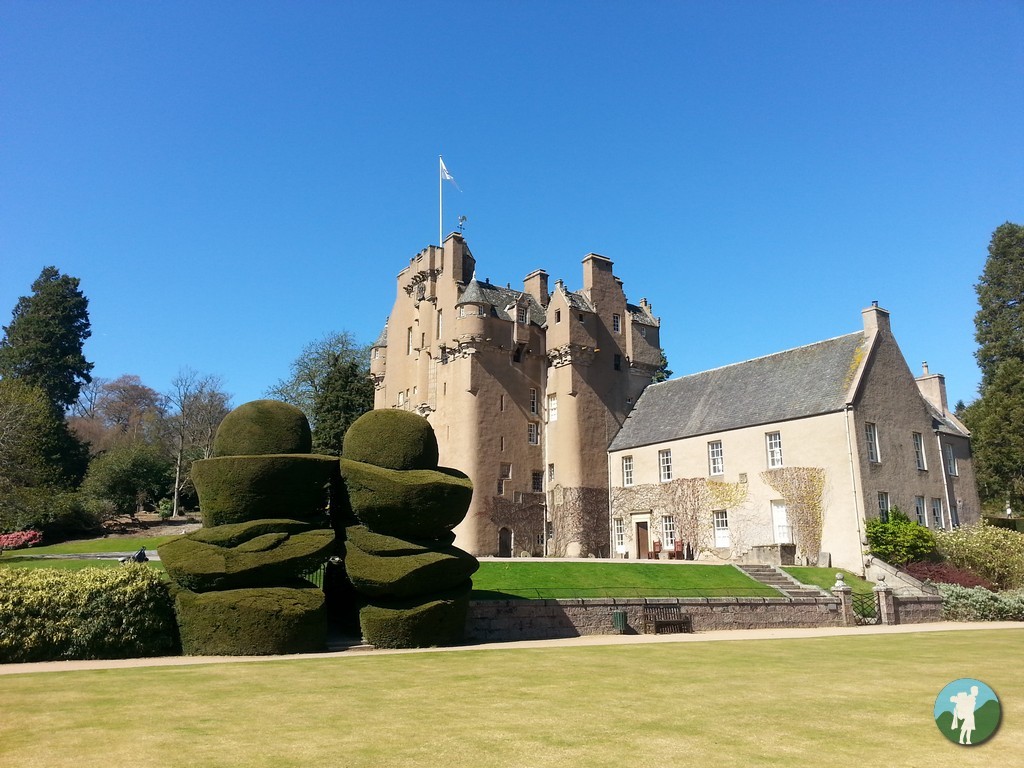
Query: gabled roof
x,y
806,381
641,315
946,423
382,340
498,299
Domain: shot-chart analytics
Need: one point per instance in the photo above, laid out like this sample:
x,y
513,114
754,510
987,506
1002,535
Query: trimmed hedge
x,y
415,504
391,546
978,604
93,613
408,575
438,620
252,622
235,489
263,427
393,439
261,553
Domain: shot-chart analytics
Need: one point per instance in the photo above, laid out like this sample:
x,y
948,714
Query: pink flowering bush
x,y
20,539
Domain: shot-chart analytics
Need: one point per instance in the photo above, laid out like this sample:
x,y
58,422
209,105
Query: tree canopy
x,y
999,323
43,344
345,395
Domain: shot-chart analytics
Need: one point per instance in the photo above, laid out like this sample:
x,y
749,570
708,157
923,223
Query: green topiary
x,y
262,553
389,546
263,427
252,622
440,619
415,504
235,489
404,576
393,439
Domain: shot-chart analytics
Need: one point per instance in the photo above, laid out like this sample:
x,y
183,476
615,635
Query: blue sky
x,y
233,180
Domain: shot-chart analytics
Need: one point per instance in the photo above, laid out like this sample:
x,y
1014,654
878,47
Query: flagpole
x,y
440,205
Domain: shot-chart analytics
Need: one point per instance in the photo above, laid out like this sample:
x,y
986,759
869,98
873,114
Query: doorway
x,y
643,542
505,542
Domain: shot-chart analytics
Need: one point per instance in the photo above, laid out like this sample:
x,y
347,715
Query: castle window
x,y
552,408
627,470
773,441
533,400
533,433
440,323
551,472
408,341
937,513
919,451
871,438
521,315
643,331
558,316
922,517
668,531
716,459
500,490
665,465
616,324
506,471
537,482
883,506
951,467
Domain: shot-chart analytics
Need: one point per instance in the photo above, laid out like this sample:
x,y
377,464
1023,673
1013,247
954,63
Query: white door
x,y
780,523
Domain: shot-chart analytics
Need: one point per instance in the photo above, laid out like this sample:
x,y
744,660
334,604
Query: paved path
x,y
571,642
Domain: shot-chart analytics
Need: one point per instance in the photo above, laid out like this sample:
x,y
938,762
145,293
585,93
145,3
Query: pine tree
x,y
43,344
999,323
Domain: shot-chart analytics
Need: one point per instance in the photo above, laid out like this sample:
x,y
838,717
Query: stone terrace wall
x,y
507,620
917,610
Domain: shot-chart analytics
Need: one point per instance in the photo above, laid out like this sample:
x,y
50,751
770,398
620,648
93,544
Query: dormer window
x,y
521,315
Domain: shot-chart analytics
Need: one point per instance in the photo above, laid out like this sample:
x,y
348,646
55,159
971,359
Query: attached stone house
x,y
783,458
525,389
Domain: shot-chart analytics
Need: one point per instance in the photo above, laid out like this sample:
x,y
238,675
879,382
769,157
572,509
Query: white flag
x,y
447,176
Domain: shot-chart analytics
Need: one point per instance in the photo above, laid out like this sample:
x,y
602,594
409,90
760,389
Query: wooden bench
x,y
666,620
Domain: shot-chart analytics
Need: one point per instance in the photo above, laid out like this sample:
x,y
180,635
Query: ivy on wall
x,y
579,519
525,519
802,488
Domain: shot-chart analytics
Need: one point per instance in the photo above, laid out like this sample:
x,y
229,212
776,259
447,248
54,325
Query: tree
x,y
25,418
899,540
311,368
198,405
43,344
999,323
124,410
127,477
346,394
662,373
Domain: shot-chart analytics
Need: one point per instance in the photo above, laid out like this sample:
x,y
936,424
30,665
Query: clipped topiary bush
x,y
415,504
439,619
408,575
392,439
252,622
261,553
390,546
263,427
94,613
235,489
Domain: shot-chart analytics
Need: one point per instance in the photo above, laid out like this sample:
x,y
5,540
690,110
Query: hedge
x,y
93,613
263,427
408,575
261,553
252,622
382,544
415,504
978,604
392,439
235,489
438,620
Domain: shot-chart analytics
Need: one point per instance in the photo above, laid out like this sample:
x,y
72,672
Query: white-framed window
x,y
871,439
537,482
937,513
951,467
720,519
773,442
408,341
627,470
501,488
533,433
919,451
558,316
920,511
716,459
620,535
668,531
533,400
521,315
551,472
440,323
552,408
401,397
505,472
883,506
665,465
616,324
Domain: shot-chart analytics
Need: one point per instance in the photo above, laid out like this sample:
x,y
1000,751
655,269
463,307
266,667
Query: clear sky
x,y
233,180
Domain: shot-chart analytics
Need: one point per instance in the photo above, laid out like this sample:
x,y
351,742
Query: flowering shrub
x,y
94,613
996,554
946,573
20,539
978,604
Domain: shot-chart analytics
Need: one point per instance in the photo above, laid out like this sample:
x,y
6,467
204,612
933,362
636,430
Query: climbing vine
x,y
525,519
803,490
579,519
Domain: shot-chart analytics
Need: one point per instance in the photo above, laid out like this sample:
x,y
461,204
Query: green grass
x,y
547,579
8,561
861,700
826,578
90,546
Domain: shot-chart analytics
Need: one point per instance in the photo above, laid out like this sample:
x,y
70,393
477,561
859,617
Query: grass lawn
x,y
13,561
826,578
854,700
548,579
122,544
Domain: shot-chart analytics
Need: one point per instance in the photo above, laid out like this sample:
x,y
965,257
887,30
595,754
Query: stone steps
x,y
771,576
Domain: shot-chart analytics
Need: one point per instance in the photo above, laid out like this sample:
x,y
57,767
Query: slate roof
x,y
946,423
382,340
800,382
641,315
498,299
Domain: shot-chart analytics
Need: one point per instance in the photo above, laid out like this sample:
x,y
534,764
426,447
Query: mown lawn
x,y
826,578
14,561
552,579
861,700
91,546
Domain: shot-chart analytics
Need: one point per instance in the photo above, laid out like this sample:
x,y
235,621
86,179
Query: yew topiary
x,y
390,546
392,439
263,427
234,489
440,619
416,504
403,576
252,622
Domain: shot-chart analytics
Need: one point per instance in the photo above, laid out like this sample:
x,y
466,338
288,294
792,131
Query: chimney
x,y
876,319
595,268
536,284
933,387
